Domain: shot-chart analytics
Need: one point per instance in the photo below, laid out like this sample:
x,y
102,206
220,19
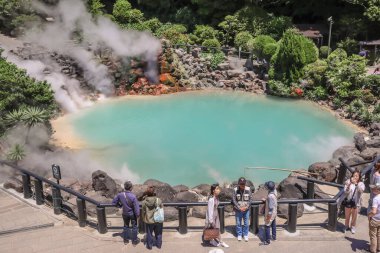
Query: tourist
x,y
373,179
374,220
270,212
212,215
242,201
131,212
149,205
353,188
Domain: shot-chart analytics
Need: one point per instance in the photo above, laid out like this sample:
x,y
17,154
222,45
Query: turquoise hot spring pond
x,y
202,137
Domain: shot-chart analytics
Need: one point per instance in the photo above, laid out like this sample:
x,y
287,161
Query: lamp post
x,y
331,22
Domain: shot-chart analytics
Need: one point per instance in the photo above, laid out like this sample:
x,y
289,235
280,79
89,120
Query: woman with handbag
x,y
151,206
212,227
353,189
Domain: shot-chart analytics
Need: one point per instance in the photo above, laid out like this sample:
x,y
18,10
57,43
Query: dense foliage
x,y
18,90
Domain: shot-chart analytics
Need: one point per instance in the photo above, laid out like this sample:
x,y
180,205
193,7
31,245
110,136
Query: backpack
x,y
158,215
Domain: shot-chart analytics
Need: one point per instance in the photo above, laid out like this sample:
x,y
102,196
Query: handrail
x,y
61,187
182,206
320,181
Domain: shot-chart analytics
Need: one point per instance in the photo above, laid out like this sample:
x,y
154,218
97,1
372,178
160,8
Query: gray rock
x,y
104,183
163,190
345,152
293,188
374,129
226,194
180,188
370,153
223,66
325,170
186,196
13,183
170,213
139,190
199,212
91,209
234,73
360,143
202,189
374,142
283,210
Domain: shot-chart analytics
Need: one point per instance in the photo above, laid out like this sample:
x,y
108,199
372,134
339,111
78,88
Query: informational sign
x,y
56,171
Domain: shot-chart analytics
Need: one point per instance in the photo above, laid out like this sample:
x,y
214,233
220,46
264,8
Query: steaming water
x,y
194,138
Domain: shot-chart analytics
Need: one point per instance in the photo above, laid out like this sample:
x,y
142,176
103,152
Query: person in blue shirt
x,y
131,211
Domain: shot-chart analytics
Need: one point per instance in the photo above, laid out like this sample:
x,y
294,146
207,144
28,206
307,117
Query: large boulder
x,y
98,196
139,190
345,152
202,189
324,170
360,143
103,183
374,129
283,211
170,213
180,188
199,212
294,188
370,153
374,142
13,183
188,196
163,190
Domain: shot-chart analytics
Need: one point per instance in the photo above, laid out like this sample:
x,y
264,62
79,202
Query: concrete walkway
x,y
63,235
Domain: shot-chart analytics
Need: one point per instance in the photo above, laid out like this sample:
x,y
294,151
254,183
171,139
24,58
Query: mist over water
x,y
192,138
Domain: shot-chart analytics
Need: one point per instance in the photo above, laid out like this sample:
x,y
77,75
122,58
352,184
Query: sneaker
x,y
224,245
246,238
214,243
274,238
264,243
353,230
345,229
239,238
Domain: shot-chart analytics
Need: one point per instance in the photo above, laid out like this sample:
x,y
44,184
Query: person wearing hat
x,y
242,201
131,211
374,219
270,213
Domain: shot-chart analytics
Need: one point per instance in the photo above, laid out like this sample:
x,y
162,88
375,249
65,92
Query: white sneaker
x,y
224,245
246,238
353,230
214,243
239,238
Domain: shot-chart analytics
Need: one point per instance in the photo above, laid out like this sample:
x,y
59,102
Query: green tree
x,y
202,33
349,45
96,7
16,153
231,26
371,8
241,40
258,44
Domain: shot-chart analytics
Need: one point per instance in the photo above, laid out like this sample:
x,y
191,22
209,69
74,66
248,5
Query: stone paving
x,y
67,236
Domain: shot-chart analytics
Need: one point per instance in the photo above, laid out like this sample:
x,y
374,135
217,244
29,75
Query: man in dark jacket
x,y
131,211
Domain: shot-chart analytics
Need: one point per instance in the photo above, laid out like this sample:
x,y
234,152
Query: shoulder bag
x,y
158,215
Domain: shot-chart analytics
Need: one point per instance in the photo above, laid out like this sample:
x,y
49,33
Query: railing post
x,y
182,216
38,189
82,214
221,218
255,219
333,215
102,221
26,186
292,218
57,200
310,191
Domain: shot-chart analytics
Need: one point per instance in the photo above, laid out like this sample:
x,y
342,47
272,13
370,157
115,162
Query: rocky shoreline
x,y
103,188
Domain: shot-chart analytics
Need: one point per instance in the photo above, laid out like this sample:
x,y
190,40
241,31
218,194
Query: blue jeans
x,y
245,216
130,231
267,231
155,228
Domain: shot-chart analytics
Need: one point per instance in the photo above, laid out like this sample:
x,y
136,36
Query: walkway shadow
x,y
357,245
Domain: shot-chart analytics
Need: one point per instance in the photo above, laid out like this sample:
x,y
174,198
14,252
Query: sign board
x,y
56,171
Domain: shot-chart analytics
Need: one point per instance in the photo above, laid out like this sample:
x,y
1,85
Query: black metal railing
x,y
182,207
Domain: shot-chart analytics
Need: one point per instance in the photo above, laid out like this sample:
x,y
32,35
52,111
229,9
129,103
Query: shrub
x,y
317,93
214,58
372,82
278,88
311,51
120,10
202,33
323,51
153,24
315,73
349,45
214,43
258,44
241,40
269,50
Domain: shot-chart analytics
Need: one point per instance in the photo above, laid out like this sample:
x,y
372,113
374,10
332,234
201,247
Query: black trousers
x,y
155,228
130,227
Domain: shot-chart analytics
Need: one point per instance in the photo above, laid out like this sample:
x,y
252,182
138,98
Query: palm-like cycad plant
x,y
14,117
33,116
16,154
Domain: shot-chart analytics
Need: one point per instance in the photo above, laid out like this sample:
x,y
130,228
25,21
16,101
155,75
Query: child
x,y
270,212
